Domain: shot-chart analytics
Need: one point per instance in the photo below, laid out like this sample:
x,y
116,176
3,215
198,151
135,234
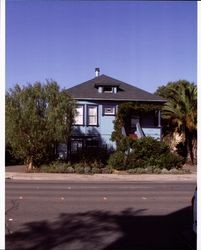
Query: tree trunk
x,y
189,143
29,164
195,150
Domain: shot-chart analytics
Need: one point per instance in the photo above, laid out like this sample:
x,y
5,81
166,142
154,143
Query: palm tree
x,y
180,111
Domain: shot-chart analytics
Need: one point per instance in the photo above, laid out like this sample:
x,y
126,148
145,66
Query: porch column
x,y
159,118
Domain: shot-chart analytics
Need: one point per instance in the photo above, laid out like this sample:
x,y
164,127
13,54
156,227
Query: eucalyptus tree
x,y
38,117
180,111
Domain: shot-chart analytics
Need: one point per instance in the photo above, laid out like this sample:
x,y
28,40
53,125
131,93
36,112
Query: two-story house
x,y
97,105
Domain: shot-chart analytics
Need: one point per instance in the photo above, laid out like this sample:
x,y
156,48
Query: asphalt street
x,y
99,215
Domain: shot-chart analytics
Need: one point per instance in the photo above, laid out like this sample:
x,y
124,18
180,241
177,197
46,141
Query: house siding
x,y
104,129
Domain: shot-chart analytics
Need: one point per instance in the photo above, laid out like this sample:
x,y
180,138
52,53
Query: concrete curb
x,y
101,177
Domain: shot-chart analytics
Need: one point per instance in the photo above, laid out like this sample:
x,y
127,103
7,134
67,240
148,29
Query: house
x,y
98,100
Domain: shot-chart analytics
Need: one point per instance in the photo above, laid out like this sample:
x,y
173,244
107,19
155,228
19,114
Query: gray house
x,y
98,100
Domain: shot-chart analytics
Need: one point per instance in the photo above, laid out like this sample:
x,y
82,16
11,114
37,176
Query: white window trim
x,y
113,107
88,122
77,123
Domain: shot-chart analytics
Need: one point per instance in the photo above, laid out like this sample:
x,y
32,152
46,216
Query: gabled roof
x,y
126,92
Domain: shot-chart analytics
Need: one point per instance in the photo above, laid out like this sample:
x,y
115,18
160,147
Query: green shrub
x,y
132,171
87,170
137,171
107,170
164,171
70,170
147,148
79,170
97,164
149,169
170,160
91,155
136,162
145,152
43,168
117,160
96,170
153,170
156,171
54,167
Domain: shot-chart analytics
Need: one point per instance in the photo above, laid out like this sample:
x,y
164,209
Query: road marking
x,y
144,198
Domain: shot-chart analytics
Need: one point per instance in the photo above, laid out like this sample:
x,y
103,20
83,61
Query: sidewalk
x,y
101,177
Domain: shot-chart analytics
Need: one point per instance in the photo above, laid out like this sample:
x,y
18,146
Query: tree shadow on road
x,y
94,230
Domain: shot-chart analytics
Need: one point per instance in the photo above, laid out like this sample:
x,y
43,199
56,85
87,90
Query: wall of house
x,y
105,125
103,131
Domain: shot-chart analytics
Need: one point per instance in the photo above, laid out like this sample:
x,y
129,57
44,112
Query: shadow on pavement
x,y
94,230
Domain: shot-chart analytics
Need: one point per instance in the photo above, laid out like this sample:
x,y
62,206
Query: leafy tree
x,y
180,111
60,113
38,117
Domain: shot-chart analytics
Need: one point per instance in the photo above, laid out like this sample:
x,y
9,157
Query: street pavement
x,y
101,212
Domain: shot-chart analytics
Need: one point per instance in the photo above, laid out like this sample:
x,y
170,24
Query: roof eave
x,y
123,100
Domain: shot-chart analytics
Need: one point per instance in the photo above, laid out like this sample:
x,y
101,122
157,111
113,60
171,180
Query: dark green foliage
x,y
181,149
143,153
38,117
96,170
118,160
78,168
169,161
97,164
91,156
10,159
87,170
55,167
70,170
137,171
107,170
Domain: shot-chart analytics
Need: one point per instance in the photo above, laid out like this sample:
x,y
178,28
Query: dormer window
x,y
110,89
107,89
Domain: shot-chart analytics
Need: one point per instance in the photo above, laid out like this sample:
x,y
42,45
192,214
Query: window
x,y
92,143
107,89
109,110
110,89
79,117
76,145
92,115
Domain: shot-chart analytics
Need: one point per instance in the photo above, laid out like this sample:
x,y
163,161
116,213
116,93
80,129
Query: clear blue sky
x,y
146,44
